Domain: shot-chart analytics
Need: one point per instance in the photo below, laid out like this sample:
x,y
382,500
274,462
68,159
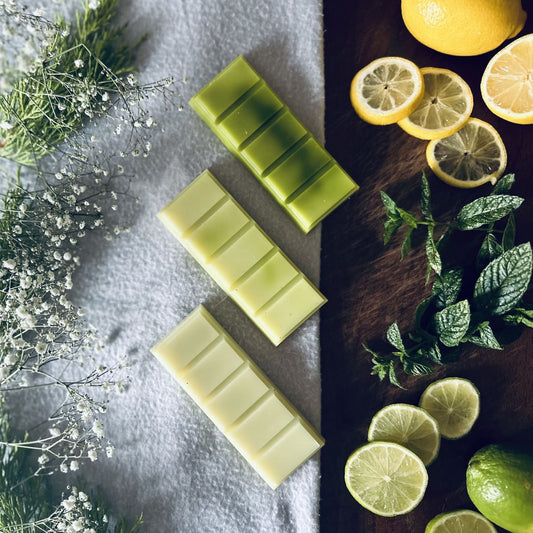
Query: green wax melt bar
x,y
235,394
247,116
241,258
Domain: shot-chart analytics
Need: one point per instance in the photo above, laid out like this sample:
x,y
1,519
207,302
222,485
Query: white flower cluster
x,y
28,33
76,514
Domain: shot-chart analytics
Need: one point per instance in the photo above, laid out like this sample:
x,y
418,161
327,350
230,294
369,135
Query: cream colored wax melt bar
x,y
242,402
241,258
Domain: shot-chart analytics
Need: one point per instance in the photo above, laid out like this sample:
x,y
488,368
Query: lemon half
x,y
507,83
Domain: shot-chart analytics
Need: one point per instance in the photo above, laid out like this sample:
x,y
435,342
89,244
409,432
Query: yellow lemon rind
x,y
369,114
429,134
506,114
462,184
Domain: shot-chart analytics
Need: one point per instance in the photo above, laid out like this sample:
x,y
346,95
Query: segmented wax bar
x,y
242,402
248,117
241,258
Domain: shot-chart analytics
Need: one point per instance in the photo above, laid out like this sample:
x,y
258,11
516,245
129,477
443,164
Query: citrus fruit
x,y
409,426
445,107
386,478
463,27
454,403
499,481
507,83
470,157
462,521
387,90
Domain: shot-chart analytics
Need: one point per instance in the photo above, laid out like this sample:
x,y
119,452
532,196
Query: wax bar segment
x,y
238,397
241,258
248,117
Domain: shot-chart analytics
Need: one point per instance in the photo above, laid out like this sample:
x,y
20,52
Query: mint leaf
x,y
504,281
452,323
434,260
431,352
446,287
392,376
391,227
443,239
520,316
486,209
425,199
390,205
408,218
406,245
416,368
395,337
485,337
503,185
490,250
509,233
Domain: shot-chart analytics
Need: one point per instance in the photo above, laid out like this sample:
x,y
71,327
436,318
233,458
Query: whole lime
x,y
499,481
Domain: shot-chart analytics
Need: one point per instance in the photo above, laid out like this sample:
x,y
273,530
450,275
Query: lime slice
x,y
387,90
386,478
463,521
409,426
454,403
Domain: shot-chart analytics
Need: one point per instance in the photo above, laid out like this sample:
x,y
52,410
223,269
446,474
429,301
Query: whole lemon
x,y
499,481
463,27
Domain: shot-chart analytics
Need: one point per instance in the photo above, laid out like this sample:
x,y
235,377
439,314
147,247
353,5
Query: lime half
x,y
408,425
454,403
463,521
386,478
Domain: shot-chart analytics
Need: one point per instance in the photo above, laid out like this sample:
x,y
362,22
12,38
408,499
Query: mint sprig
x,y
485,313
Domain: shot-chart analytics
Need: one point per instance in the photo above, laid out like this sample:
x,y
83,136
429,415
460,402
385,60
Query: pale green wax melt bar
x,y
241,401
241,258
247,116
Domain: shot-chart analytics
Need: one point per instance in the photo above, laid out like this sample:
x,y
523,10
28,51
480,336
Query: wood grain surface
x,y
368,287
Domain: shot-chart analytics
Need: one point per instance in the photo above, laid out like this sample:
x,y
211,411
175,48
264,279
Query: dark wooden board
x,y
368,288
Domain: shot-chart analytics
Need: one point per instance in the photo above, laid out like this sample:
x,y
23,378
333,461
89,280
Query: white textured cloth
x,y
171,462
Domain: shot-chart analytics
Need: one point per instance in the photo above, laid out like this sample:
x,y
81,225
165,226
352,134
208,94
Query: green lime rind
x,y
409,426
460,521
386,478
454,403
499,481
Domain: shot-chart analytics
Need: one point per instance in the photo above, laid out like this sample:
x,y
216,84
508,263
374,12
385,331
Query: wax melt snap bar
x,y
241,258
241,401
253,123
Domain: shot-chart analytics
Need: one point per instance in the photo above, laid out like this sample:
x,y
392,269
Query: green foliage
x,y
81,72
485,312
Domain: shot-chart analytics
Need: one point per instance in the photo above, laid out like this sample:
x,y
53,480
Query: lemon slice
x,y
445,107
386,478
387,90
409,426
463,521
470,157
507,83
454,403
